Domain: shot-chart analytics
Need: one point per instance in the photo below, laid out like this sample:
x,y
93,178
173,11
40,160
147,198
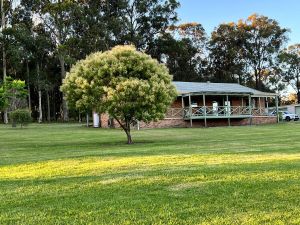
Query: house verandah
x,y
214,104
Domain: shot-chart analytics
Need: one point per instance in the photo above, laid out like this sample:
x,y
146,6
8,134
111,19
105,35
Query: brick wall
x,y
106,122
177,103
264,120
166,123
169,123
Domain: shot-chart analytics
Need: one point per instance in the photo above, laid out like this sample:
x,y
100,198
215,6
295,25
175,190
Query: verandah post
x,y
277,107
260,108
241,110
182,103
228,110
250,109
267,102
191,110
204,105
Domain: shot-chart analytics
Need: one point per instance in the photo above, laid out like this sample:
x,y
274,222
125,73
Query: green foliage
x,y
226,55
39,33
264,38
12,92
127,84
290,67
182,48
20,116
3,96
248,47
142,20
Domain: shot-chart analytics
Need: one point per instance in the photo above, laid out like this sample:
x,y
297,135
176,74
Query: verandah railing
x,y
217,111
175,113
210,111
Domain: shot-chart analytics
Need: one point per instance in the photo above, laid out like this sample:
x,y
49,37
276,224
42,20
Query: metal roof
x,y
217,88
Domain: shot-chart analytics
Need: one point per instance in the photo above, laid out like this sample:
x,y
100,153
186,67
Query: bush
x,y
20,116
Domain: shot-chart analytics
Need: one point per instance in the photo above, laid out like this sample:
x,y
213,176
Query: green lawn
x,y
68,174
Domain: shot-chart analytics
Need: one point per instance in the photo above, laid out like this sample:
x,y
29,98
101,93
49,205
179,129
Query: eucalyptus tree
x,y
20,38
5,6
94,27
246,50
290,65
55,17
142,21
183,49
34,42
226,59
263,39
3,26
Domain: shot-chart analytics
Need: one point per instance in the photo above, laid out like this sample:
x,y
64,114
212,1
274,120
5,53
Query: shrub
x,y
20,116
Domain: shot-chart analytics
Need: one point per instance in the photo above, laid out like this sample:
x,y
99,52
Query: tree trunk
x,y
3,26
5,116
79,118
28,86
298,88
4,78
87,120
127,131
48,107
53,105
126,128
256,79
259,81
40,120
129,139
63,75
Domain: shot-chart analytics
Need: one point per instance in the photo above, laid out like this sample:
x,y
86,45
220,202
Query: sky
x,y
210,13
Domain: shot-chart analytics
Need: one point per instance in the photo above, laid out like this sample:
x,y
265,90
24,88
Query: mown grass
x,y
68,174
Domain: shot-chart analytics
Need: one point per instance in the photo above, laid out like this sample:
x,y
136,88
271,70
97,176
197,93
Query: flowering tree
x,y
123,82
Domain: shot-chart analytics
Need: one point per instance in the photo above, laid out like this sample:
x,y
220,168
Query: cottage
x,y
215,104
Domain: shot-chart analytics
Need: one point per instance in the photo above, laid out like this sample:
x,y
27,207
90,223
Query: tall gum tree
x,y
263,38
290,67
3,27
227,63
127,84
142,21
182,48
35,44
55,16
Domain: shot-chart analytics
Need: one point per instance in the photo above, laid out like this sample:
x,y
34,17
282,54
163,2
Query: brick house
x,y
214,104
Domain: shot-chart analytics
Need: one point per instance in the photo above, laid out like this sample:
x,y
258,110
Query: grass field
x,y
68,174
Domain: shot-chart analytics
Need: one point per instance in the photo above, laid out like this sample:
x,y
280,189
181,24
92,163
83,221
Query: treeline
x,y
42,39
